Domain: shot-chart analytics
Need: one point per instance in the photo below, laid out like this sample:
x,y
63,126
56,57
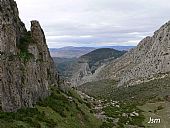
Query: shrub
x,y
160,107
107,125
23,44
25,56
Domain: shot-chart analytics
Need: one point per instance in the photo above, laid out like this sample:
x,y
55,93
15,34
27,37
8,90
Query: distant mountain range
x,y
75,52
120,48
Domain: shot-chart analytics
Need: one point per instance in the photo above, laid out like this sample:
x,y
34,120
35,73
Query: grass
x,y
149,99
56,111
144,92
153,110
99,89
123,113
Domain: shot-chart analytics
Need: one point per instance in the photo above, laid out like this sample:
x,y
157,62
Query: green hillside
x,y
99,55
142,92
57,111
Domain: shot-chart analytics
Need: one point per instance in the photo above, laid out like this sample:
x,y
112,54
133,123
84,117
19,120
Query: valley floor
x,y
131,107
116,115
93,107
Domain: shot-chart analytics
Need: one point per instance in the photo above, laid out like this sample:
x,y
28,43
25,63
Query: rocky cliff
x,y
26,68
149,60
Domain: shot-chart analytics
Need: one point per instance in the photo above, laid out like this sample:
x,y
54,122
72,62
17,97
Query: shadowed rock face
x,y
26,67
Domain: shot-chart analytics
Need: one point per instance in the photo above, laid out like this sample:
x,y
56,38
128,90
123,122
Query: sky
x,y
94,23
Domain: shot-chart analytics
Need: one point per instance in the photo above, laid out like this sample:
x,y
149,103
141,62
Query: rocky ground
x,y
115,114
101,111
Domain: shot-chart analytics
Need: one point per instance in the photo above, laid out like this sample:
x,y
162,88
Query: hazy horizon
x,y
94,23
92,46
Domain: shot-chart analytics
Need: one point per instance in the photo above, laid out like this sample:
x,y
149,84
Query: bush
x,y
23,44
107,125
127,108
25,56
24,41
160,107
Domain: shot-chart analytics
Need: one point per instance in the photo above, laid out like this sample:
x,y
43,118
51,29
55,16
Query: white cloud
x,y
76,22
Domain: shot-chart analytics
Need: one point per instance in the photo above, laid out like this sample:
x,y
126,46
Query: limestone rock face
x,y
79,76
151,58
26,67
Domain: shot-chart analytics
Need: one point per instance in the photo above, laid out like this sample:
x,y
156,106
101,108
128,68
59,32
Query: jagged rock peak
x,y
147,61
8,11
26,67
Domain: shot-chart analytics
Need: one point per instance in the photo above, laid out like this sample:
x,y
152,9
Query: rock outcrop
x,y
81,74
150,59
26,68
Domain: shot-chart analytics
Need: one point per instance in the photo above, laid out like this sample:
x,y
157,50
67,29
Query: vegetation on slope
x,y
56,111
98,56
67,66
126,114
98,89
101,54
23,44
154,89
149,99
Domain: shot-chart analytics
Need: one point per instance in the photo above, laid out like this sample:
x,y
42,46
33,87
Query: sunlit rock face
x,y
26,67
149,60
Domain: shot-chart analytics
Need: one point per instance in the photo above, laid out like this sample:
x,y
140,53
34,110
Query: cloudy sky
x,y
95,22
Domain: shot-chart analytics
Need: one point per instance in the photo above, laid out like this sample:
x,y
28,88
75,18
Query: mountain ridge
x,y
75,52
149,58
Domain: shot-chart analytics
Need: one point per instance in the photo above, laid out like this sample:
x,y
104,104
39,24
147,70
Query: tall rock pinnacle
x,y
26,67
